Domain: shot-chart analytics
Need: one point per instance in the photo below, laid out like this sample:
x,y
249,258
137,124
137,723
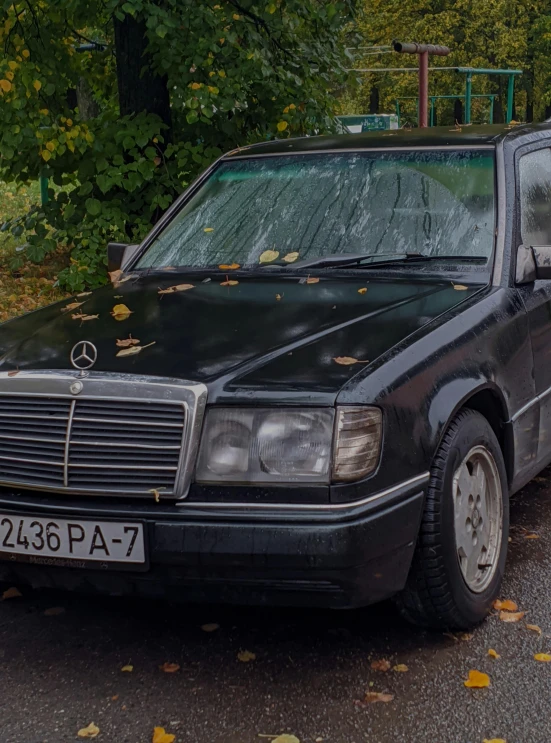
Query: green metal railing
x,y
434,98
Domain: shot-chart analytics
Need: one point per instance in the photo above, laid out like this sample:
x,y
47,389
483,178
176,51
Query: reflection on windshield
x,y
431,202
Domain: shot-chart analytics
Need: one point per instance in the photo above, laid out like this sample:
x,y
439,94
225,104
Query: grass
x,y
31,286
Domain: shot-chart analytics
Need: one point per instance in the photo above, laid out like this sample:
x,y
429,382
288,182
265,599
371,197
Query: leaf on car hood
x,y
177,288
400,668
381,665
121,312
229,266
348,360
161,736
83,318
133,350
245,656
117,277
363,290
169,667
460,287
127,669
71,306
229,283
92,731
477,680
268,256
11,593
210,627
127,342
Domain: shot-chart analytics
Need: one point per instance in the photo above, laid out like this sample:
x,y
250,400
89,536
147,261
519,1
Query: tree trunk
x,y
88,107
140,89
374,100
458,111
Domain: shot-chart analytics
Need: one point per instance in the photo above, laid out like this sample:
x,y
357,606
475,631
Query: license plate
x,y
71,542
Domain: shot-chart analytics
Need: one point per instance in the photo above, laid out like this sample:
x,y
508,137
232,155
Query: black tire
x,y
436,594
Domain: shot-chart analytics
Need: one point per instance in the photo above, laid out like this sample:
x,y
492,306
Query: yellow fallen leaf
x,y
161,736
210,627
208,229
348,360
400,668
510,616
507,605
84,294
115,276
381,665
83,318
245,656
177,288
71,306
54,611
534,628
156,494
363,290
493,654
229,283
477,680
170,667
121,312
286,739
229,266
89,732
278,297
460,287
290,257
494,740
531,536
127,669
127,342
312,280
268,256
377,696
133,350
543,657
11,593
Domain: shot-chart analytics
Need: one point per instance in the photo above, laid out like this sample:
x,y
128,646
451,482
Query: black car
x,y
316,382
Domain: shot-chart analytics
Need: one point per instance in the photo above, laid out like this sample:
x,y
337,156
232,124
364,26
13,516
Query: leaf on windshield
x,y
290,257
127,669
80,316
460,287
127,342
121,312
169,667
511,616
177,288
133,350
363,290
229,266
92,731
208,229
268,256
161,736
72,306
477,680
348,360
229,283
506,605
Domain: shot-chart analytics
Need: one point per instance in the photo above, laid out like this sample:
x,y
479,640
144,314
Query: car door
x,y
534,228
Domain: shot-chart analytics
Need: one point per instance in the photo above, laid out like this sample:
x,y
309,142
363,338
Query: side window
x,y
535,197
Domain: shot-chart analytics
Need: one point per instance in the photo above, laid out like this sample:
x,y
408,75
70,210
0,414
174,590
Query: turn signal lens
x,y
358,438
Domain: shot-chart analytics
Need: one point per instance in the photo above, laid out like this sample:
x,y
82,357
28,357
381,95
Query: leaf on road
x,y
531,536
229,266
371,697
161,736
477,680
127,342
290,257
534,628
363,290
511,616
494,740
71,306
177,288
348,360
400,668
381,665
506,605
229,283
55,611
169,667
245,656
127,669
493,654
121,312
285,738
542,657
133,350
268,256
89,732
11,593
210,627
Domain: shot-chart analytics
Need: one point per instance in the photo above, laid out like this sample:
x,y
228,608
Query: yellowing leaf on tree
x,y
493,654
45,155
92,731
5,85
381,665
245,656
37,85
271,8
282,125
133,350
542,657
400,668
372,697
50,146
9,75
534,628
169,667
121,312
348,360
127,342
268,256
11,593
161,736
177,288
363,290
229,283
477,680
210,627
511,616
127,669
506,605
229,266
26,53
290,257
196,86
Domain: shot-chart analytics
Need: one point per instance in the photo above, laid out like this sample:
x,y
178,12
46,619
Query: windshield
x,y
431,202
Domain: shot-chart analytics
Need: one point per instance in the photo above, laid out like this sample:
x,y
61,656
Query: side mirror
x,y
119,255
542,257
533,262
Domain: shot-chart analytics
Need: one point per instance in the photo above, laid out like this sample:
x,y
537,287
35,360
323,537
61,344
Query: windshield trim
x,y
359,150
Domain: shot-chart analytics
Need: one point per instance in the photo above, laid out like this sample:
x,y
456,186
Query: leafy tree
x,y
121,102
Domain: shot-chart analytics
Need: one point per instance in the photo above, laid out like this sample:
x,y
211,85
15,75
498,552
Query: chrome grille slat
x,y
129,422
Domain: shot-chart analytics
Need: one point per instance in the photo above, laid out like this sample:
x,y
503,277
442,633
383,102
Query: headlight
x,y
270,445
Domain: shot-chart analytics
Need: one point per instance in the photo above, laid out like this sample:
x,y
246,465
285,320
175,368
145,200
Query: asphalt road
x,y
311,672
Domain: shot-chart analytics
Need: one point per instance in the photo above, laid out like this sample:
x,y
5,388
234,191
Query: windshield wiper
x,y
336,261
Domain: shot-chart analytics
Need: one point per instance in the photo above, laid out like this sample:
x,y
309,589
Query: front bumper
x,y
334,557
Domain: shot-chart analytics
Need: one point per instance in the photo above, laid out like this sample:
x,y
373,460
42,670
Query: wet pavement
x,y
312,669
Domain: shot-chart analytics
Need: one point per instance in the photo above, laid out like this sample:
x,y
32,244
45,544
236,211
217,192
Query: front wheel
x,y
460,556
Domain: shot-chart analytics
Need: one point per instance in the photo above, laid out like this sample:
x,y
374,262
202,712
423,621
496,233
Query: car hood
x,y
261,335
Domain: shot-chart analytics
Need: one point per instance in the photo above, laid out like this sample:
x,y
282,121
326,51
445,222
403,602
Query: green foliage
x,y
237,72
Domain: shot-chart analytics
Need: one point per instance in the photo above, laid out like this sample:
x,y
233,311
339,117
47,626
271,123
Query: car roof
x,y
438,136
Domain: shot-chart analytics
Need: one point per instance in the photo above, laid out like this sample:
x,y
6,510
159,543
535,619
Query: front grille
x,y
91,445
